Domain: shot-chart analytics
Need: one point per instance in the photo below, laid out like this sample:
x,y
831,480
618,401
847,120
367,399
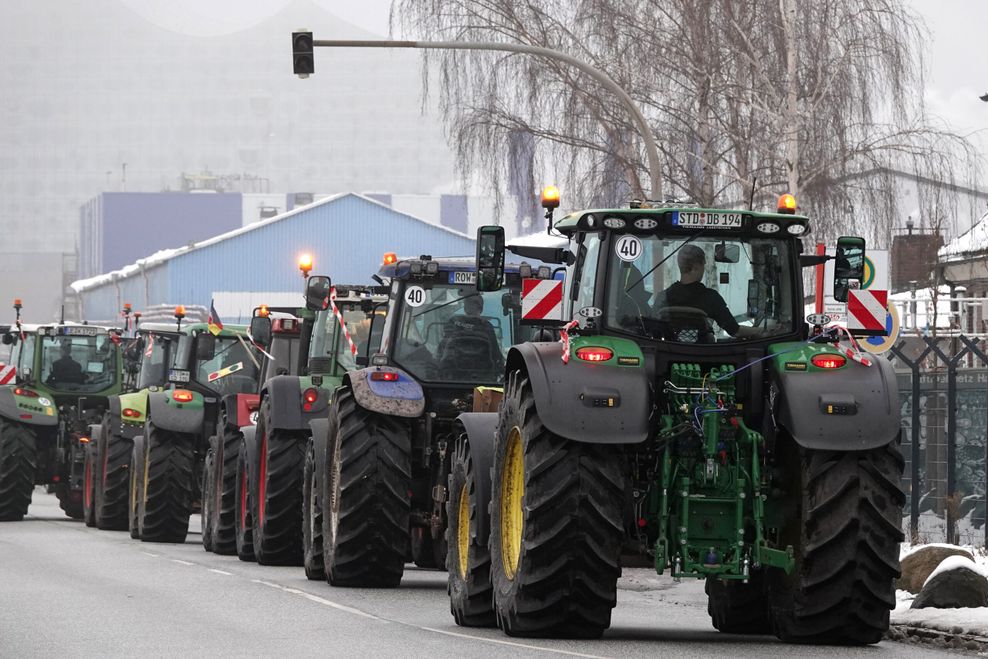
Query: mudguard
x,y
854,408
116,424
573,399
285,395
166,414
479,429
27,411
319,430
402,397
239,408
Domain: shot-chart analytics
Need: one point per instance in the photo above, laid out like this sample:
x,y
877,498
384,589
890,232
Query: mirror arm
x,y
809,260
545,254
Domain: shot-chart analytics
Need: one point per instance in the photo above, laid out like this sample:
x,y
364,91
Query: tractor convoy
x,y
529,427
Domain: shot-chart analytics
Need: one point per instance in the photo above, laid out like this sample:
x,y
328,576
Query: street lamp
x,y
651,149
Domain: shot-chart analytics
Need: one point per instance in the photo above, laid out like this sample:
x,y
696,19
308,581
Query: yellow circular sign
x,y
869,273
879,344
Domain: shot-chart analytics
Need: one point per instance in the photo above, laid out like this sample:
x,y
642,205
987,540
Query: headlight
x,y
613,223
768,227
796,229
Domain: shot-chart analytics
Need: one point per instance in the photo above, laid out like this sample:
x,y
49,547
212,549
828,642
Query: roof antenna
x,y
751,198
62,321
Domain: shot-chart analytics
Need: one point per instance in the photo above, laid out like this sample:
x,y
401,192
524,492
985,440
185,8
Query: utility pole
x,y
305,66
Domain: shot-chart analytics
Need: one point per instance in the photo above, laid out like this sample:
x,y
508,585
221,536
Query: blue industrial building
x,y
347,235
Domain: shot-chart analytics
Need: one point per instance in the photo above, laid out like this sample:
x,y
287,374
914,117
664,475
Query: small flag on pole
x,y
213,322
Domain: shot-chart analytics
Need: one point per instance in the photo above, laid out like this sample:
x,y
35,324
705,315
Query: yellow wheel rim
x,y
512,491
463,531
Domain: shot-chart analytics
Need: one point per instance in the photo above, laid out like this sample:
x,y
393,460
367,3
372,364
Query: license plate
x,y
463,277
703,219
79,331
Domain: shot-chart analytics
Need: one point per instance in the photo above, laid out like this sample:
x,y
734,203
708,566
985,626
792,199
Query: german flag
x,y
213,322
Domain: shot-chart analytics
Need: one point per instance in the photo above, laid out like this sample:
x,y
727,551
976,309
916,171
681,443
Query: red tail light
x,y
594,354
182,396
25,392
309,397
130,413
384,376
828,361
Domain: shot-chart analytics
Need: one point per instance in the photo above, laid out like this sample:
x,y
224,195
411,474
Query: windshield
x,y
78,363
231,370
155,361
327,339
455,334
712,288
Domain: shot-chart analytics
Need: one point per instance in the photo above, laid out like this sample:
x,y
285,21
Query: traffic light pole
x,y
651,148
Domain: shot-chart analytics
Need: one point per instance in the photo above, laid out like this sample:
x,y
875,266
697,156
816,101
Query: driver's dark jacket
x,y
705,299
66,369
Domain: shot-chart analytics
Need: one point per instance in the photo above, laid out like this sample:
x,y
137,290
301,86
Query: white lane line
x,y
319,600
511,643
229,574
181,562
147,553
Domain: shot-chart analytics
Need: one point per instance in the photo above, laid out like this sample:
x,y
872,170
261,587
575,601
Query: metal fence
x,y
943,386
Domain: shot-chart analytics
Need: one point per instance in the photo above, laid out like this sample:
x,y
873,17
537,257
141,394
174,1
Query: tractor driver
x,y
469,340
65,368
690,291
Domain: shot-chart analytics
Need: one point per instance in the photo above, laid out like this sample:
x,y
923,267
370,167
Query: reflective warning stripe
x,y
541,299
866,310
7,374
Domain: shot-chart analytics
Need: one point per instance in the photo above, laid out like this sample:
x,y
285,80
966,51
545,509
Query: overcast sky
x,y
956,54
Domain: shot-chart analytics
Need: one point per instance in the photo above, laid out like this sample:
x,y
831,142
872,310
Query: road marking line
x,y
319,600
229,574
175,560
512,643
147,553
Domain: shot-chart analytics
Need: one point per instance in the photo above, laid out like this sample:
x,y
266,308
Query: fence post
x,y
914,456
973,347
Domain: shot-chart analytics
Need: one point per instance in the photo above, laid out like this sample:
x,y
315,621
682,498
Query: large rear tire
x,y
368,478
89,485
168,486
18,462
739,608
112,478
136,482
278,504
208,499
69,500
311,518
243,522
847,535
225,506
468,560
556,525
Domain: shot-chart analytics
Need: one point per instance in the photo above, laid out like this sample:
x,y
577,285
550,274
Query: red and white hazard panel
x,y
867,311
7,373
541,300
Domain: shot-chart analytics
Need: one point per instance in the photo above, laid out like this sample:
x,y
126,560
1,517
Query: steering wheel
x,y
684,324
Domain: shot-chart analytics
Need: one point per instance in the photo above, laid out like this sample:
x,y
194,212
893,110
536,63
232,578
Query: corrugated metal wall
x,y
347,238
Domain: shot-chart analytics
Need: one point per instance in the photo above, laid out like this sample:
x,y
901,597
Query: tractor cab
x,y
70,361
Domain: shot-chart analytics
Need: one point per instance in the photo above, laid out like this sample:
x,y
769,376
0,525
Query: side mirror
x,y
849,265
205,346
260,330
724,253
317,293
490,258
9,339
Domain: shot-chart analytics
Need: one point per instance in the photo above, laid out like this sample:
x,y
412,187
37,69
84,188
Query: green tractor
x,y
705,426
337,320
210,376
65,375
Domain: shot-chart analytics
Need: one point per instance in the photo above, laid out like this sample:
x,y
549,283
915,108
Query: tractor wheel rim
x,y
334,494
243,499
512,493
88,480
463,531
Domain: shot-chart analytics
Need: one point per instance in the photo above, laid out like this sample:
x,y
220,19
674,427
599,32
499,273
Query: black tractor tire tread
x,y
208,496
169,487
739,608
850,550
111,499
375,479
224,524
244,532
18,462
471,598
89,465
69,501
278,537
566,585
315,569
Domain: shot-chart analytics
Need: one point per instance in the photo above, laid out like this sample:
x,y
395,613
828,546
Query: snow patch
x,y
972,241
956,563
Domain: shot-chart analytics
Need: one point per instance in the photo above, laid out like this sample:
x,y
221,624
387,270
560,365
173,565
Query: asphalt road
x,y
70,591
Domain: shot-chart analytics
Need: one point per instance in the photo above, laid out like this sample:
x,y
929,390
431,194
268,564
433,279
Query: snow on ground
x,y
955,621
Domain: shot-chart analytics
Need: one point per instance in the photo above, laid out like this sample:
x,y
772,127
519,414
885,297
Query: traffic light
x,y
302,59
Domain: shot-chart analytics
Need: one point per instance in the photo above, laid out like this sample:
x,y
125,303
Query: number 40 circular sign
x,y
628,248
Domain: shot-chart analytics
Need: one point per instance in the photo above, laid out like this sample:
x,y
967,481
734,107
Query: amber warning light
x,y
787,204
550,197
